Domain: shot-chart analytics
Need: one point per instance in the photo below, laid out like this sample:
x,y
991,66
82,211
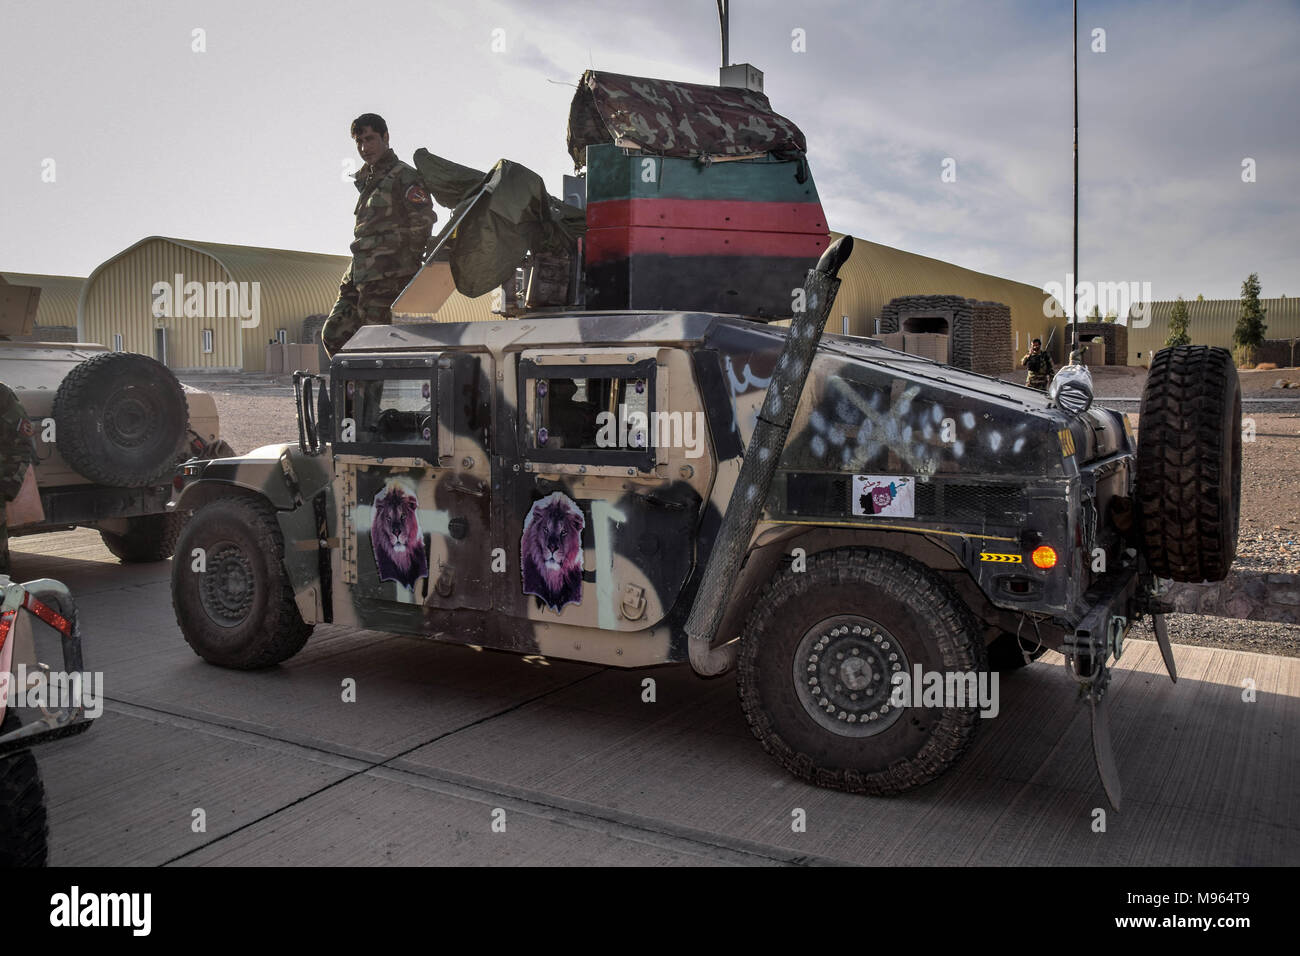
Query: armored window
x,y
390,412
117,341
207,341
590,414
585,413
282,337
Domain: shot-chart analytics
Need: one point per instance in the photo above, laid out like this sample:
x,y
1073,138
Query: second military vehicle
x,y
109,430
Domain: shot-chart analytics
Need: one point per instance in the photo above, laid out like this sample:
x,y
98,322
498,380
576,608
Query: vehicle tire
x,y
121,420
238,612
905,617
1005,652
147,538
1189,463
24,833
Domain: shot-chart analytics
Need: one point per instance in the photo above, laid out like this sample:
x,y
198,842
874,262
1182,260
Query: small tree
x,y
1199,297
1095,314
1111,317
1178,325
1249,334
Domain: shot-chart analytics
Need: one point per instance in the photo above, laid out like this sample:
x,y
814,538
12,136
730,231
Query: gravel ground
x,y
258,410
260,414
1264,637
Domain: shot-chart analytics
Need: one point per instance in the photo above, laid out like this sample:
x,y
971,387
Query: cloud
x,y
247,142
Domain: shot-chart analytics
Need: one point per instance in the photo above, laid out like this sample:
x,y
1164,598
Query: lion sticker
x,y
550,551
401,551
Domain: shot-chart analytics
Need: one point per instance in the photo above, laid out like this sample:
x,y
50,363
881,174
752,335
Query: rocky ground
x,y
258,409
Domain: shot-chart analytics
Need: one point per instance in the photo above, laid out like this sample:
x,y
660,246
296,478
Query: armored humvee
x,y
110,428
861,533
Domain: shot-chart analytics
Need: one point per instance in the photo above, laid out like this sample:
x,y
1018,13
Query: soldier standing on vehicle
x,y
394,219
1039,364
15,457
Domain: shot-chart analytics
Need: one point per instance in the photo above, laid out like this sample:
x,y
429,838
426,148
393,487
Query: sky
x,y
125,122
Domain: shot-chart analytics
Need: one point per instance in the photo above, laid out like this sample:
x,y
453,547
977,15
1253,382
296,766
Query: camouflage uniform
x,y
1040,369
15,455
394,218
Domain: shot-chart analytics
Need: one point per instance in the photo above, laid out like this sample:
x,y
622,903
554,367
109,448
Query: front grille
x,y
956,502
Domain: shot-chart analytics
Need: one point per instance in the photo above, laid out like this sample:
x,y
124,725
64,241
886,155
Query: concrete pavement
x,y
451,756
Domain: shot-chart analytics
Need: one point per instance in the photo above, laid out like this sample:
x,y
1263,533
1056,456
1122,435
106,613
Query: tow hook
x,y
1115,635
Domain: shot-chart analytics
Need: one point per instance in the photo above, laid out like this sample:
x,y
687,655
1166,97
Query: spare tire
x,y
121,419
1189,463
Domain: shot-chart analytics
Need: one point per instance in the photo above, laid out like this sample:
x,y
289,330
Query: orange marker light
x,y
1044,557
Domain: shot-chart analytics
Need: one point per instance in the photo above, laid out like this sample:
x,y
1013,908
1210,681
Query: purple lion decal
x,y
551,551
395,536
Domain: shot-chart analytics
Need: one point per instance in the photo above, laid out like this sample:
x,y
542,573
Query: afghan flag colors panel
x,y
614,174
666,233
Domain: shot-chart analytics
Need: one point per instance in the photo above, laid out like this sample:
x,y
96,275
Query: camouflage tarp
x,y
516,216
675,119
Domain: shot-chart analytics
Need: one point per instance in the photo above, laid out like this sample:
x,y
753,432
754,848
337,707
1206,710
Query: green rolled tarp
x,y
507,213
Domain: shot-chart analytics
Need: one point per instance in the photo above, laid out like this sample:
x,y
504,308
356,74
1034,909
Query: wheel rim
x,y
227,587
842,674
127,417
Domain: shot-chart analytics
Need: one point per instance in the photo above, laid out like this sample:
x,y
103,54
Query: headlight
x,y
1071,389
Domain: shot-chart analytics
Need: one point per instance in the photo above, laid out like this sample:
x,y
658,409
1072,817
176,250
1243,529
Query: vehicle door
x,y
413,460
603,502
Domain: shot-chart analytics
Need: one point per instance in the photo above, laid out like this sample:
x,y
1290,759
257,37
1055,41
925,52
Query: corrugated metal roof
x,y
875,274
59,296
291,281
291,286
1211,322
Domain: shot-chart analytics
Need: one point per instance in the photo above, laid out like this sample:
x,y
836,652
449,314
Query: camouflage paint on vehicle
x,y
986,460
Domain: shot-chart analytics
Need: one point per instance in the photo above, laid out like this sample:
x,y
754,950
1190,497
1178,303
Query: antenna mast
x,y
1074,283
724,26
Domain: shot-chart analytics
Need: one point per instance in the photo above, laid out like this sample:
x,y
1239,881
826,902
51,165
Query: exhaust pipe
x,y
765,446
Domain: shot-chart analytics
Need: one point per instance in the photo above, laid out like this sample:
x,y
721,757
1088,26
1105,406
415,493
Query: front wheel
x,y
233,600
823,652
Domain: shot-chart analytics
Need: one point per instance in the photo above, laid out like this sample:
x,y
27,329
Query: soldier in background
x,y
1039,364
15,457
395,217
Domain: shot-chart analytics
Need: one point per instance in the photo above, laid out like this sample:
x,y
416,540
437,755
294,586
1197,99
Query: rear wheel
x,y
232,598
147,538
819,659
24,835
1189,463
